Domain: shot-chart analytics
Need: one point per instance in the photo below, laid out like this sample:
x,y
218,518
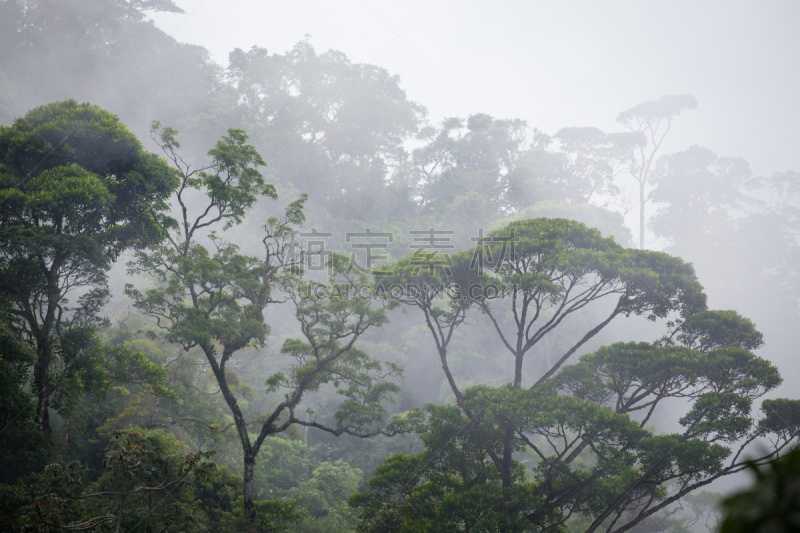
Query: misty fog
x,y
617,181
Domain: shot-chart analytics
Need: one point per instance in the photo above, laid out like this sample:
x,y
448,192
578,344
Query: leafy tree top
x,y
69,168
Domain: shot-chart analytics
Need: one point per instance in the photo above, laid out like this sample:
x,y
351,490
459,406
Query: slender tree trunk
x,y
249,468
508,438
41,381
508,455
498,462
249,452
641,215
121,508
44,350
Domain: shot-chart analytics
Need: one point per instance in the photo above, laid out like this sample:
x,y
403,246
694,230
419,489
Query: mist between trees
x,y
273,296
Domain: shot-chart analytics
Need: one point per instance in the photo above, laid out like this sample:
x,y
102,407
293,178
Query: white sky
x,y
554,64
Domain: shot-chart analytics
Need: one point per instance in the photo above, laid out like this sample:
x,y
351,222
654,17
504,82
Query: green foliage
x,y
615,373
76,189
609,223
328,354
23,449
781,416
78,171
771,503
216,493
547,259
143,488
587,455
706,330
234,181
325,496
272,516
450,486
214,300
577,445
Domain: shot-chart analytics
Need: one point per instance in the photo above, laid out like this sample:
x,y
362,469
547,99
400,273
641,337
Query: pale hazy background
x,y
558,64
554,64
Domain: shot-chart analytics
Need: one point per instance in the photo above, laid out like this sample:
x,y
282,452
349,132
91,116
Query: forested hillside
x,y
275,296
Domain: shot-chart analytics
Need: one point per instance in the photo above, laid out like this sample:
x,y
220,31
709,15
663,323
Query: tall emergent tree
x,y
76,189
652,121
213,299
582,428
